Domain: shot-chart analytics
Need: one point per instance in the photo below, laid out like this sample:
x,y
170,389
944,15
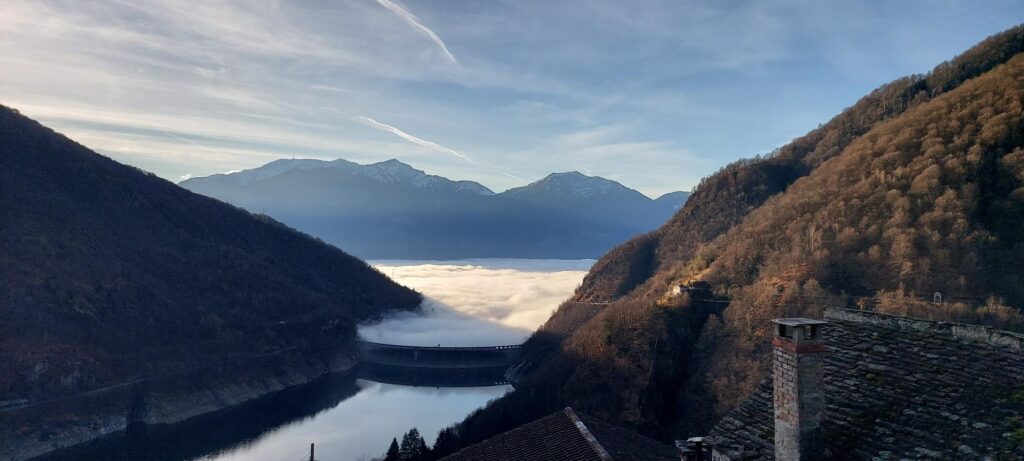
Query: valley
x,y
476,302
396,230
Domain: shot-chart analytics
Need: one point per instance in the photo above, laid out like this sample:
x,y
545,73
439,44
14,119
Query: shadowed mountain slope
x,y
111,274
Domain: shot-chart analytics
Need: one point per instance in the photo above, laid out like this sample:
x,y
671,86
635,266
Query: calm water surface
x,y
361,426
469,303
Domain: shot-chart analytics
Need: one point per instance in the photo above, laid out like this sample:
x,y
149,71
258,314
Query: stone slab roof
x,y
900,388
569,436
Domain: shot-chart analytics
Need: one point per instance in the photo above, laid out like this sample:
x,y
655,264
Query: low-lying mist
x,y
476,302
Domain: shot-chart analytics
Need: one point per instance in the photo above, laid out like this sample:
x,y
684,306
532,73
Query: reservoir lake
x,y
477,302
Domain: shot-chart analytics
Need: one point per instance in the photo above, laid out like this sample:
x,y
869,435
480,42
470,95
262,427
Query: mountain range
x,y
390,210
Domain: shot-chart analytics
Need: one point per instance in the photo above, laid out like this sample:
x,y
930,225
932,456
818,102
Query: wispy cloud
x,y
416,24
651,95
208,149
413,139
517,178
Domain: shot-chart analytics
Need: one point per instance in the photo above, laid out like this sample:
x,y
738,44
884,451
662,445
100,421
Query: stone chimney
x,y
799,389
694,449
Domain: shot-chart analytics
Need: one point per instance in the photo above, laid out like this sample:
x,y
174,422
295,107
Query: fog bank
x,y
477,302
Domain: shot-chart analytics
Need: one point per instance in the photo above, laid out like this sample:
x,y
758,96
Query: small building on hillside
x,y
704,288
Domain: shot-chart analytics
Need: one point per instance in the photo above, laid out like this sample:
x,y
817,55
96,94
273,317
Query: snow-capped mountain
x,y
386,172
574,184
577,185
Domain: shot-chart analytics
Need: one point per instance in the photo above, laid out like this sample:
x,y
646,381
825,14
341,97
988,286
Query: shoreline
x,y
46,428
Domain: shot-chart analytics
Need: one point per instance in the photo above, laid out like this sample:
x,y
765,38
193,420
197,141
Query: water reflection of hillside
x,y
332,412
222,431
472,303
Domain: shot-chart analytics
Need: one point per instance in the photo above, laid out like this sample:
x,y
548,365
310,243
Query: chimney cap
x,y
799,321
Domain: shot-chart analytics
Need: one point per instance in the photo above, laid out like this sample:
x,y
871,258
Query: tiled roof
x,y
898,388
568,436
624,445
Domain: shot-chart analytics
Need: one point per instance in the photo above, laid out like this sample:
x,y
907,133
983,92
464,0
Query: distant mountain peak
x,y
576,184
674,200
568,174
272,169
389,209
393,161
392,171
395,165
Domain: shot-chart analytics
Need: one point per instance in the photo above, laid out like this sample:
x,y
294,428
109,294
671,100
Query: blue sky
x,y
653,94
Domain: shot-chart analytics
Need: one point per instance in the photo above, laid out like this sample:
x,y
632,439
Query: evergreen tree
x,y
445,444
393,451
406,449
413,447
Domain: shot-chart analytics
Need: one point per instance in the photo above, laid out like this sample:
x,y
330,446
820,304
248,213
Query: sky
x,y
653,94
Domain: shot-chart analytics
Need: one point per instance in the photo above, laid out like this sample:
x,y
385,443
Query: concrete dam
x,y
436,366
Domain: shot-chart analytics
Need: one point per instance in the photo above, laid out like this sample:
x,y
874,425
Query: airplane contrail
x,y
414,139
429,144
416,24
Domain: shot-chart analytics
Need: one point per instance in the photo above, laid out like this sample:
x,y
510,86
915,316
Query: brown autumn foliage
x,y
723,199
917,188
994,312
930,201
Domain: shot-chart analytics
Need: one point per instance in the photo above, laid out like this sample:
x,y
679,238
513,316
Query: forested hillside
x,y
723,199
109,274
915,189
929,202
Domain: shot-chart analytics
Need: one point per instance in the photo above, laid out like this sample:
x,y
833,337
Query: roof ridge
x,y
957,330
582,428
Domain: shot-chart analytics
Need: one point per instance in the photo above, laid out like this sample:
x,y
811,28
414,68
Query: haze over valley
x,y
477,302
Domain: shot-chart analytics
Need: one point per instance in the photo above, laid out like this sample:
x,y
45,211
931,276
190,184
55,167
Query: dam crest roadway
x,y
436,366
